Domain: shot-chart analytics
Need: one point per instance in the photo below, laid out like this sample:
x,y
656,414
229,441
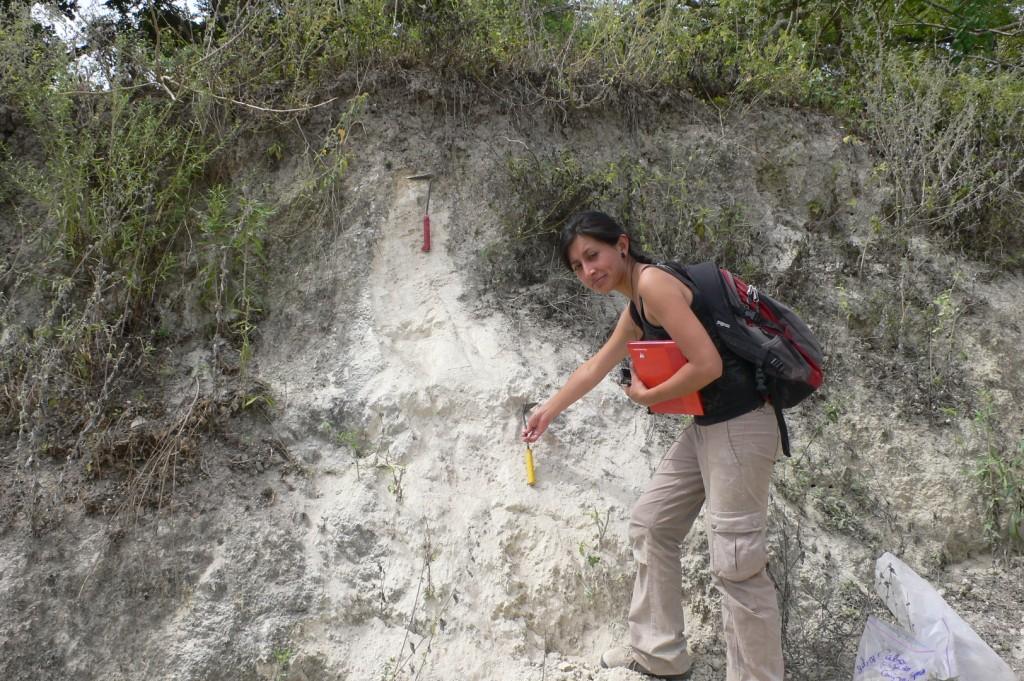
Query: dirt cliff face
x,y
374,522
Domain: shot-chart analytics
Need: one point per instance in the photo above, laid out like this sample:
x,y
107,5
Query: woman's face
x,y
597,265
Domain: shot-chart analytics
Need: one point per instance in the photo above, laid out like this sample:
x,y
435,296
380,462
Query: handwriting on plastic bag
x,y
887,667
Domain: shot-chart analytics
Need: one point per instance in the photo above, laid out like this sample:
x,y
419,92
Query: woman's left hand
x,y
636,390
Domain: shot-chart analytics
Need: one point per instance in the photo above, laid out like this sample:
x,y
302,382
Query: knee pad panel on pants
x,y
738,545
642,522
638,542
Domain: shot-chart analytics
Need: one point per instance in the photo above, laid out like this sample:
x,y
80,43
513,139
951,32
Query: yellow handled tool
x,y
531,475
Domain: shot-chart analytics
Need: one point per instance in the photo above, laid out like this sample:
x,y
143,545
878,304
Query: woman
x,y
724,458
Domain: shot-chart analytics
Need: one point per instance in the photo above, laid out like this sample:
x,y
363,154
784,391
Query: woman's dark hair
x,y
599,226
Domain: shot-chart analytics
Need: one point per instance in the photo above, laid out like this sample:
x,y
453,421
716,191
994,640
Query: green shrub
x,y
232,266
128,192
999,472
113,222
953,152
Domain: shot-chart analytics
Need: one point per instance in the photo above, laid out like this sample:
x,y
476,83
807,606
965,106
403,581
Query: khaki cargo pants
x,y
728,465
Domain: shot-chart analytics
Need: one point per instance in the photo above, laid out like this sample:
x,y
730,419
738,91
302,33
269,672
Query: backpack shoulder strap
x,y
679,271
707,278
705,275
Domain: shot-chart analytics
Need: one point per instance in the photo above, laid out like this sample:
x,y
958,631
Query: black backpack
x,y
787,357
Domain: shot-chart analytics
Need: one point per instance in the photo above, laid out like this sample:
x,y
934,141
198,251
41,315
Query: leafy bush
x,y
952,150
112,224
128,195
999,472
671,214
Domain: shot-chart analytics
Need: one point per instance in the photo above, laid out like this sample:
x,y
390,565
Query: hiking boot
x,y
622,657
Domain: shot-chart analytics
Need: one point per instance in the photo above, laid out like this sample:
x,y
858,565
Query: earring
x,y
622,253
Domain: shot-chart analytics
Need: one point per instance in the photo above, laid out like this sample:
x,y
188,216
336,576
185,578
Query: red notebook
x,y
654,362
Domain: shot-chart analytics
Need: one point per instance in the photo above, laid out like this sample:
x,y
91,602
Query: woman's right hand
x,y
537,423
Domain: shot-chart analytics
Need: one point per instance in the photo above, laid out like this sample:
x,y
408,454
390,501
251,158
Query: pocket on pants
x,y
737,544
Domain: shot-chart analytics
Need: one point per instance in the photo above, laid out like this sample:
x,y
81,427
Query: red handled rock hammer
x,y
426,209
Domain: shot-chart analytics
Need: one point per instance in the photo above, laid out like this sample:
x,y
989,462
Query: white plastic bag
x,y
921,610
887,653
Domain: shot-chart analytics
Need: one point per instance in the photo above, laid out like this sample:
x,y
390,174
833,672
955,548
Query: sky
x,y
71,30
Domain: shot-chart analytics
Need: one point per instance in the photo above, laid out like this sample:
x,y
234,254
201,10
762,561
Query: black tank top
x,y
732,394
